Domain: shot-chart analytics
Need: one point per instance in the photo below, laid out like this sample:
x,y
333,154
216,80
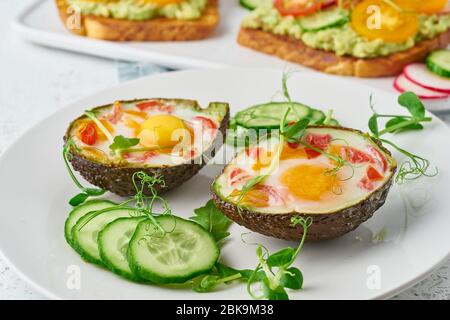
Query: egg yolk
x,y
309,182
162,131
289,152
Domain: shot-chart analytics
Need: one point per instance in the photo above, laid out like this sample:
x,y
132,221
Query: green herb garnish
x,y
144,204
213,220
416,166
274,271
122,143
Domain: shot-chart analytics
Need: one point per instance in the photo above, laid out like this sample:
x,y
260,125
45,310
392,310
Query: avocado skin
x,y
118,179
324,226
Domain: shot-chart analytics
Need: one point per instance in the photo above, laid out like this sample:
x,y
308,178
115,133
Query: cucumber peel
x,y
80,211
185,251
113,241
85,231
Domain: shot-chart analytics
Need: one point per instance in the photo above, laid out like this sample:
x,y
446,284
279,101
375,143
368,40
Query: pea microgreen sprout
x,y
274,271
416,166
143,204
85,192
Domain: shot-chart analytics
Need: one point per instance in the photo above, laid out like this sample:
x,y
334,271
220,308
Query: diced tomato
x,y
319,141
365,184
148,105
208,126
379,158
300,7
88,133
311,154
293,145
116,113
253,152
355,156
274,195
156,105
237,176
166,108
373,174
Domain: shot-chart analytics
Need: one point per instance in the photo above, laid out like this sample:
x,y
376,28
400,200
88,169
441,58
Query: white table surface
x,y
36,81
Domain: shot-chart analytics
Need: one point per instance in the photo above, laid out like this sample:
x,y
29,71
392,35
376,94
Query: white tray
x,y
39,23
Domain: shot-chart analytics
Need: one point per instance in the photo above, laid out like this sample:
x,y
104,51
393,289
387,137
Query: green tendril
x,y
413,168
85,192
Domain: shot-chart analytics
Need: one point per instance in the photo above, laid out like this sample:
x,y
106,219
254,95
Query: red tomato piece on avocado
x,y
208,126
88,133
274,195
355,156
366,184
311,154
379,158
147,105
319,141
237,176
373,174
116,113
253,152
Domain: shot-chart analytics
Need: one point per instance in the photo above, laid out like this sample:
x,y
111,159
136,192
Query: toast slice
x,y
294,50
158,29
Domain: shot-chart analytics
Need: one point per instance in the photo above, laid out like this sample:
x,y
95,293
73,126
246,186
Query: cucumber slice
x,y
113,242
81,210
184,252
439,63
251,4
268,116
317,116
324,19
84,236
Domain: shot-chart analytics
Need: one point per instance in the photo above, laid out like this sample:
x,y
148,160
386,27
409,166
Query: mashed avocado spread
x,y
342,40
140,9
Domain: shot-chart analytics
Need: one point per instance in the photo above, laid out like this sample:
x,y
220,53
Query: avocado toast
x,y
333,38
140,20
170,138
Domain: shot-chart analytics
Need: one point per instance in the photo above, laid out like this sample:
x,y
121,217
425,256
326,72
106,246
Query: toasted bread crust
x,y
158,29
294,50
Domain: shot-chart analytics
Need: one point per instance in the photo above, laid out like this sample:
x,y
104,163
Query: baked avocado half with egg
x,y
140,20
170,138
339,190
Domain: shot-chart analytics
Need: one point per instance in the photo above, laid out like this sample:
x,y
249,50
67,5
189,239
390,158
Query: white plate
x,y
34,189
220,50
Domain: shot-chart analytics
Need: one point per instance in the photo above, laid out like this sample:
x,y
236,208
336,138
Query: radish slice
x,y
420,75
402,84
